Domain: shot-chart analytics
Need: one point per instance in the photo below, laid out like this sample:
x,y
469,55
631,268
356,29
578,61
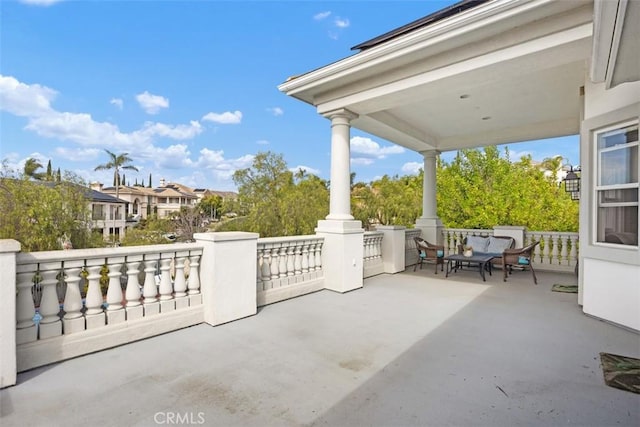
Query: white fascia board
x,y
605,14
482,16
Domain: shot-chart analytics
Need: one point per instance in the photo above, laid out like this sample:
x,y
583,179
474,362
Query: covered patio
x,y
406,349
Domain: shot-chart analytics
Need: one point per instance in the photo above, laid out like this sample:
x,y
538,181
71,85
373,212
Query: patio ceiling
x,y
500,72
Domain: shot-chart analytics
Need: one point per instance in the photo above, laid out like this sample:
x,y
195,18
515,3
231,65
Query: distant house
x,y
107,214
162,201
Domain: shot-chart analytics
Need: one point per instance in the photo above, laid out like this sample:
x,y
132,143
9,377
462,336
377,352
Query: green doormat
x,y
571,289
621,372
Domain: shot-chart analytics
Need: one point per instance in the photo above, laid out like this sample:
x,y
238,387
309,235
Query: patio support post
x,y
228,269
8,362
342,254
429,222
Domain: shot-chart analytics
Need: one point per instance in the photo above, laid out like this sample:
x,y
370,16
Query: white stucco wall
x,y
613,292
609,274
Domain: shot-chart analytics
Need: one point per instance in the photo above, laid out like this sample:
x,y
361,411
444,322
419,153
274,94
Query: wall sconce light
x,y
572,183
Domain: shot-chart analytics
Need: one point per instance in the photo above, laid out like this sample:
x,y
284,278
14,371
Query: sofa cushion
x,y
478,243
497,246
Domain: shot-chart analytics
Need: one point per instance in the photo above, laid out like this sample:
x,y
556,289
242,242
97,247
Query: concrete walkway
x,y
408,349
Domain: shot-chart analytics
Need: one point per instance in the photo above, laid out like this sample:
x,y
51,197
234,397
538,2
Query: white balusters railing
x,y
372,253
288,267
557,251
109,281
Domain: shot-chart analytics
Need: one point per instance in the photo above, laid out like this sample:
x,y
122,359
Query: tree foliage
x,y
39,214
481,189
278,202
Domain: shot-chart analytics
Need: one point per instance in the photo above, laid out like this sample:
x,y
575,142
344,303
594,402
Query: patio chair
x,y
521,258
428,252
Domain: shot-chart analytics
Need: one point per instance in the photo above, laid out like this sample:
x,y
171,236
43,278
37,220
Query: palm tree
x,y
116,162
31,167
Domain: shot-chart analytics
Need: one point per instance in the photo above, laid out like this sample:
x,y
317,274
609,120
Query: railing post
x,y
393,247
228,275
8,367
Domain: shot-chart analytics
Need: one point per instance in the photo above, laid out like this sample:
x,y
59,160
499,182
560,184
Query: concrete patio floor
x,y
407,349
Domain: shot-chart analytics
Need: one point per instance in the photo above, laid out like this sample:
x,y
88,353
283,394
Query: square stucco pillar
x,y
228,271
342,254
429,223
8,367
393,250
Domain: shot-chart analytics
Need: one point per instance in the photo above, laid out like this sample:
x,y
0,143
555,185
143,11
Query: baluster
x,y
266,265
50,324
93,302
180,285
150,288
290,259
305,258
194,275
114,290
25,309
319,255
282,266
379,247
167,302
166,287
554,249
115,310
275,272
564,250
132,294
573,255
73,320
312,256
298,261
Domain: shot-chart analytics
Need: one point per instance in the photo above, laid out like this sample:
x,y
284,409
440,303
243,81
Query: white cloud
x,y
371,149
307,169
226,118
362,161
276,111
412,168
341,22
322,15
262,142
117,102
179,132
78,155
25,100
40,2
151,104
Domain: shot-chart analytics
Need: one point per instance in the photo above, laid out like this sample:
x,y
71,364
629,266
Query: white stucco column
x,y
342,253
8,363
340,196
429,222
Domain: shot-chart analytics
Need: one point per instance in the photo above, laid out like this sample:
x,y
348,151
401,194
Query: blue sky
x,y
189,88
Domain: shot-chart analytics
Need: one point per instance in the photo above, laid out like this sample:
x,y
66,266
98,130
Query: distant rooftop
x,y
420,23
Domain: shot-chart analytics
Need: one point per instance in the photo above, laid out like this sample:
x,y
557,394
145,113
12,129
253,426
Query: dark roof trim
x,y
422,22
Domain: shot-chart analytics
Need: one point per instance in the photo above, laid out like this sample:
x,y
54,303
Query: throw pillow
x,y
497,246
478,243
522,260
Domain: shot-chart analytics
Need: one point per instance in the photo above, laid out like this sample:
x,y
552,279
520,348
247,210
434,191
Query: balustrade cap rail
x,y
78,254
270,240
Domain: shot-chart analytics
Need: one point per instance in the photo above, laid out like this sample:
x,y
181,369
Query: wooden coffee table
x,y
483,262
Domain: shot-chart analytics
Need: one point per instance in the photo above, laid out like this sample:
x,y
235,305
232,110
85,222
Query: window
x,y
617,185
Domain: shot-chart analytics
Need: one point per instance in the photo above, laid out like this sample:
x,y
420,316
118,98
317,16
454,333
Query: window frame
x,y
598,188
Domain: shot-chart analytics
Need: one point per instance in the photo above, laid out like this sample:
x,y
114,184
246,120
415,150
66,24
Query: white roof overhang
x,y
616,42
501,72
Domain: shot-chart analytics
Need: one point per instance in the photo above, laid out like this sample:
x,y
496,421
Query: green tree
x,y
277,201
38,214
211,206
30,170
49,176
